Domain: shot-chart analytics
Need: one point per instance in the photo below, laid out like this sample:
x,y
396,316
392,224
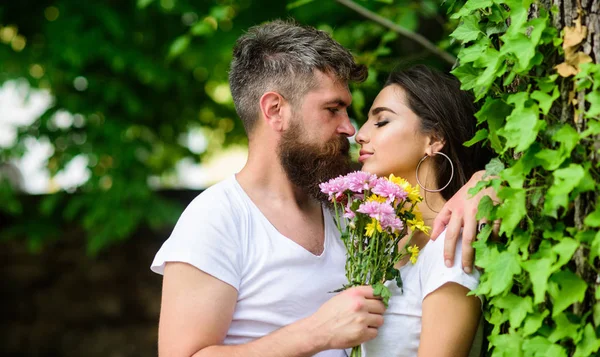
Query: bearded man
x,y
250,266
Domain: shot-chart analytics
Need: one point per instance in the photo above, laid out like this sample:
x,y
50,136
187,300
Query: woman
x,y
416,130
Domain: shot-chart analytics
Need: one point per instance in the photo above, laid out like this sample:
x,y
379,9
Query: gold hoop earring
x,y
451,173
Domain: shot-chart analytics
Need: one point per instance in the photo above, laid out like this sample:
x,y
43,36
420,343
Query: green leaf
x,y
142,4
474,52
564,329
544,100
539,271
533,322
517,307
593,219
467,75
494,112
494,167
500,268
294,4
565,250
589,344
485,208
566,288
522,127
595,248
594,98
506,345
468,30
383,292
539,346
512,209
521,48
481,134
565,181
180,44
593,129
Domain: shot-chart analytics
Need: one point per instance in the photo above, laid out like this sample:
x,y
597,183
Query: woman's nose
x,y
361,137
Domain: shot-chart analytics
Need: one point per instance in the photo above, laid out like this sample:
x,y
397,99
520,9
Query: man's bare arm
x,y
197,309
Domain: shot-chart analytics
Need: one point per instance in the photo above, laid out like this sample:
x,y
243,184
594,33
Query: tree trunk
x,y
587,13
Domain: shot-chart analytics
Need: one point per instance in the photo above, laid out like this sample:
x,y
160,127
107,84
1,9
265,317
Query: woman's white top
x,y
399,336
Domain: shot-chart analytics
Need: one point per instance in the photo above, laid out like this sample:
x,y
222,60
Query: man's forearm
x,y
295,340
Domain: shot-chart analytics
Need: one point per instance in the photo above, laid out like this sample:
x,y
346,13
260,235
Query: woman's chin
x,y
370,169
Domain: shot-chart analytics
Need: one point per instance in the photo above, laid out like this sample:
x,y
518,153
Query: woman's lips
x,y
363,155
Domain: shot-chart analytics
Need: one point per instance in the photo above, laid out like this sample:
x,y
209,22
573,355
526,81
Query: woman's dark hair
x,y
446,112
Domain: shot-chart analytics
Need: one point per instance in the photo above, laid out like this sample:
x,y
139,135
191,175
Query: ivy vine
x,y
540,112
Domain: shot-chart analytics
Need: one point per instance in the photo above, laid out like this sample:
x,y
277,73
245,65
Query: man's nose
x,y
346,127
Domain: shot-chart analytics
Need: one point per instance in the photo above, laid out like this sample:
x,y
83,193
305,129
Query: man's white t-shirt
x,y
400,334
224,234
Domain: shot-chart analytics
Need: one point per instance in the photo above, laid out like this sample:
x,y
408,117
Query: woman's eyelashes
x,y
381,123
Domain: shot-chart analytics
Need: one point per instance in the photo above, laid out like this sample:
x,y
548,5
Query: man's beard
x,y
307,165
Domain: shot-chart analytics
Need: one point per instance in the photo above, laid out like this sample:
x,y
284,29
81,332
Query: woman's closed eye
x,y
381,123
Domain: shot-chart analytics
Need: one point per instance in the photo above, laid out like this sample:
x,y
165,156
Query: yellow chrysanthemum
x,y
414,253
414,195
376,198
418,224
371,227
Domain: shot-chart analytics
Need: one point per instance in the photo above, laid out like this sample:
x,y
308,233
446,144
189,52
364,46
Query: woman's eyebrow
x,y
378,110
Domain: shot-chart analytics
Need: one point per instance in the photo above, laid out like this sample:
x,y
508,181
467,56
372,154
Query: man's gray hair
x,y
282,56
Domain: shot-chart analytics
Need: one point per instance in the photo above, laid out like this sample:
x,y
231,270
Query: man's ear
x,y
436,144
272,108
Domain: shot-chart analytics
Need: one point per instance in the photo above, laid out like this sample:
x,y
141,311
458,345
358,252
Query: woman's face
x,y
391,140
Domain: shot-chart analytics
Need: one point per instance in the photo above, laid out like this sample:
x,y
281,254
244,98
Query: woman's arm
x,y
449,323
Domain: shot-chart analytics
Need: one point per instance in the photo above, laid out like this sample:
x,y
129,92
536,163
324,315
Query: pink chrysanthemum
x,y
358,181
393,223
390,190
377,210
334,187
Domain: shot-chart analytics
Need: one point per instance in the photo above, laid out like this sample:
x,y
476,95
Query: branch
x,y
398,29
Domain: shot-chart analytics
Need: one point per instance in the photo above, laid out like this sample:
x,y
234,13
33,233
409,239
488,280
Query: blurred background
x,y
114,114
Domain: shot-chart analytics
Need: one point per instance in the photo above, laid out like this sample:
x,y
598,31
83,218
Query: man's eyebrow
x,y
378,110
338,101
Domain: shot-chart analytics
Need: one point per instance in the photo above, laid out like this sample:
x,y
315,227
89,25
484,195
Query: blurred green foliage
x,y
140,75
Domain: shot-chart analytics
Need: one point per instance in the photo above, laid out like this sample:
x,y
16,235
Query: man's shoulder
x,y
220,197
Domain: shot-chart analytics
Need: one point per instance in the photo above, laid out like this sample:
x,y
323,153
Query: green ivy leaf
x,y
485,208
565,181
468,30
595,247
517,307
539,271
539,346
593,219
544,100
566,288
467,75
506,345
594,98
494,112
515,175
565,250
475,51
499,271
589,344
592,129
533,322
512,209
564,329
494,167
522,127
481,134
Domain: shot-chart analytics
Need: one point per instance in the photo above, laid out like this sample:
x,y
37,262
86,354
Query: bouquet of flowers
x,y
373,214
